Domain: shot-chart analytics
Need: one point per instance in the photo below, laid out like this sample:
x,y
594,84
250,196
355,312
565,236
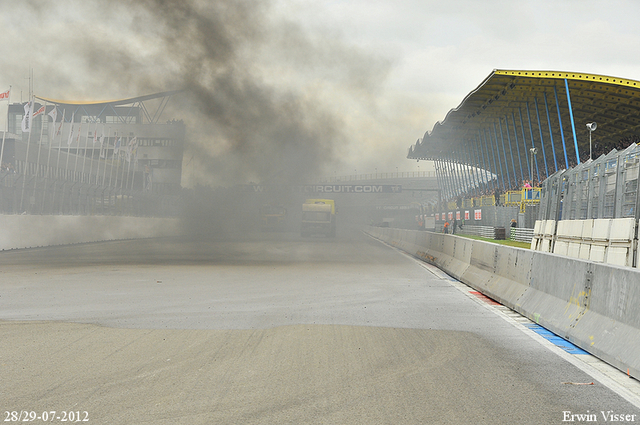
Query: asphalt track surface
x,y
269,329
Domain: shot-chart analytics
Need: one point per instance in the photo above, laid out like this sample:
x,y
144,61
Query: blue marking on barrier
x,y
556,340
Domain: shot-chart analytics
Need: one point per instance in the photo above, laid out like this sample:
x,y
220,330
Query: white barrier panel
x,y
610,241
600,240
561,247
573,249
585,246
621,234
598,252
568,238
585,251
587,230
575,229
601,229
537,235
562,229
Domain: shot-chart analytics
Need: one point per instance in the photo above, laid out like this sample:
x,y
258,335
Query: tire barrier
x,y
594,305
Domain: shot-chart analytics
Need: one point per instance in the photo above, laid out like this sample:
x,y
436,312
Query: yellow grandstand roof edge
x,y
104,102
580,76
549,74
620,84
76,102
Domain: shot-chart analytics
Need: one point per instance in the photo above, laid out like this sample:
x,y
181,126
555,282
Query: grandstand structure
x,y
97,157
523,127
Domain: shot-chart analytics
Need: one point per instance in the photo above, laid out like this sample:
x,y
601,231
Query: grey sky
x,y
378,72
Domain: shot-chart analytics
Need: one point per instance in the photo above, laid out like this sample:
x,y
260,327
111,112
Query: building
x,y
120,147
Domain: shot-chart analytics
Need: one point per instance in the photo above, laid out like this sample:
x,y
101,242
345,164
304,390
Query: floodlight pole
x,y
533,152
591,126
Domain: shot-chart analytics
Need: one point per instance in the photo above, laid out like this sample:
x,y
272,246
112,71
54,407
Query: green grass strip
x,y
507,242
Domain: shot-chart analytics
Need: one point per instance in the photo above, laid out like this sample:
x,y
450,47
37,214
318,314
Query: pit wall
x,y
27,231
594,305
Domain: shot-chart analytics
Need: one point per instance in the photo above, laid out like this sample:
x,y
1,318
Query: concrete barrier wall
x,y
25,231
594,305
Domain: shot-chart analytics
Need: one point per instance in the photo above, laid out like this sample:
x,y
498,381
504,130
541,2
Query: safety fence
x,y
606,187
611,241
595,306
29,194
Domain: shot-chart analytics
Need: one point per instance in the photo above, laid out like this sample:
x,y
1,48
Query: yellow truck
x,y
318,218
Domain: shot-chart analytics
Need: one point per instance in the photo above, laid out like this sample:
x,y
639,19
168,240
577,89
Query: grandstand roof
x,y
534,104
118,102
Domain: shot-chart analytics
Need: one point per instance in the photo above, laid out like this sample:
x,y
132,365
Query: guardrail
x,y
483,231
521,235
596,306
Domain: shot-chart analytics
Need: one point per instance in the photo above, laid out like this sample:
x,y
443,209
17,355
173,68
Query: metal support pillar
x,y
447,179
564,145
487,167
481,168
525,138
515,134
452,185
444,177
573,124
476,160
495,136
553,148
513,163
439,174
458,176
544,155
463,172
471,169
493,154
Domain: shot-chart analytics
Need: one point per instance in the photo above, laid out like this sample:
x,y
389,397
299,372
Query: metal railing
x,y
521,235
